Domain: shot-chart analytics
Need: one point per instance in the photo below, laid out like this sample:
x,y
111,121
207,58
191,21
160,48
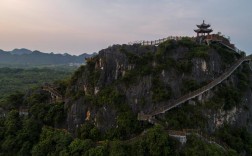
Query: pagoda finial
x,y
203,21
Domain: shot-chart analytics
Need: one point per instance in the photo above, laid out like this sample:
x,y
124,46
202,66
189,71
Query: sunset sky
x,y
85,26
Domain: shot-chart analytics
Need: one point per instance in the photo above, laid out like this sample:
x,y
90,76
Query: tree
x,y
118,149
12,123
79,147
51,142
14,100
98,151
196,146
157,142
84,130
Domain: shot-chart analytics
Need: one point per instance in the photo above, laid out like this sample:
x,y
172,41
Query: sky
x,y
86,26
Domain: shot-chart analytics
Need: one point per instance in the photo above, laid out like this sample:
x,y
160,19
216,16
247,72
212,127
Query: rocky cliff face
x,y
142,78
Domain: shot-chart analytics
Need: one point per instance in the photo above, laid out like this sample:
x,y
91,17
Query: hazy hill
x,y
20,51
27,57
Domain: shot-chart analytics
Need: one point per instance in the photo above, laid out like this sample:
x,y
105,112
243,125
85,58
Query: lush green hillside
x,y
98,116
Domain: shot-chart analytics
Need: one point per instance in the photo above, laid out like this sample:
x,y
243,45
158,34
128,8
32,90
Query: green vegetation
x,y
199,52
109,96
229,96
184,66
189,86
226,98
43,131
12,101
127,125
27,136
51,142
13,80
48,114
92,77
126,120
77,74
89,131
244,78
142,63
195,146
238,139
155,142
188,116
37,134
153,64
195,50
160,91
20,134
228,57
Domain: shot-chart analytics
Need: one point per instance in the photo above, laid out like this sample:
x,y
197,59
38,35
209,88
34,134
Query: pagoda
x,y
203,29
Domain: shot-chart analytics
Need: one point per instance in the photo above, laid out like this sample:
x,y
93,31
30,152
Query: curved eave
x,y
203,31
203,26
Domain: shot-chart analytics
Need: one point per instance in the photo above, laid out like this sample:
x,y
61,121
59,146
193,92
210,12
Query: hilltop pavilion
x,y
203,29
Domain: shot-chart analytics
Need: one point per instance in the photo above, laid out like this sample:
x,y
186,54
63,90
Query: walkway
x,y
55,95
186,132
234,49
181,136
156,42
195,93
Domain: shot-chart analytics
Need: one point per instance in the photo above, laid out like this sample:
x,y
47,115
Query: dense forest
x,y
42,133
21,80
36,135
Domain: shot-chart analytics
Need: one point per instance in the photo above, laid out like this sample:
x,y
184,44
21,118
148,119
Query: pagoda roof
x,y
203,25
203,30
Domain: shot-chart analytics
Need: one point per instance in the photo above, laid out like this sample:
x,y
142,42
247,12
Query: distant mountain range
x,y
28,57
